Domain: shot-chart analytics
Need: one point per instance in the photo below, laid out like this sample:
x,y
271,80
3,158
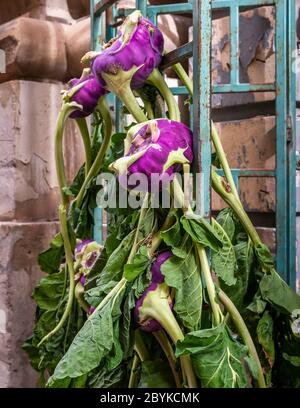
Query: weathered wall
x,y
33,36
43,45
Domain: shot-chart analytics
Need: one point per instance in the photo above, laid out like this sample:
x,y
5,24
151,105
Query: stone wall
x,y
43,42
33,35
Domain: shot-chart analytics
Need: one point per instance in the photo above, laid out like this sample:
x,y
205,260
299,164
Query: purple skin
x,y
152,325
157,276
92,309
87,96
82,280
173,135
145,47
82,244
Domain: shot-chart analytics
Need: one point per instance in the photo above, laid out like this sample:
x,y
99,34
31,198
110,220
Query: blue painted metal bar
x,y
250,172
292,160
219,4
179,90
231,88
177,8
201,103
142,6
234,45
281,142
96,40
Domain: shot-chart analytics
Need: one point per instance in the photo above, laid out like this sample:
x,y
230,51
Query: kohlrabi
x,y
153,311
153,152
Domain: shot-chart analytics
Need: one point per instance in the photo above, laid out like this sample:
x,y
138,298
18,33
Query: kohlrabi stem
x,y
244,333
156,239
66,110
96,166
148,108
210,286
139,346
223,160
183,76
79,292
147,104
156,79
156,306
220,187
120,85
129,100
133,370
81,123
134,247
165,344
69,260
179,197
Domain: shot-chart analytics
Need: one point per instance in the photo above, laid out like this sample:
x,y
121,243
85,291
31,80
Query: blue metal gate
x,y
104,14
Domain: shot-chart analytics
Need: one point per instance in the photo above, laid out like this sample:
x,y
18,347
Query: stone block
x,y
79,8
33,49
40,9
19,273
28,112
250,144
77,44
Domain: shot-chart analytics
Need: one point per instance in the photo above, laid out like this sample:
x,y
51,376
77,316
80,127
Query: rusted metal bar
x,y
178,55
103,5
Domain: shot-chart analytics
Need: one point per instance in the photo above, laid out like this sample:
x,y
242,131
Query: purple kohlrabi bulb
x,y
158,148
87,96
82,280
81,245
151,325
157,276
139,43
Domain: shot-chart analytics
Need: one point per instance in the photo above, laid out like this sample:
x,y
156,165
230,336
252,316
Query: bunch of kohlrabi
x,y
170,299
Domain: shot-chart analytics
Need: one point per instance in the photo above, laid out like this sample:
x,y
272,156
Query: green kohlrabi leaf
x,y
140,263
226,219
223,260
257,304
216,357
141,283
183,275
201,231
264,257
294,360
102,378
156,374
50,260
96,340
126,328
265,335
244,257
172,236
276,292
113,270
49,291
